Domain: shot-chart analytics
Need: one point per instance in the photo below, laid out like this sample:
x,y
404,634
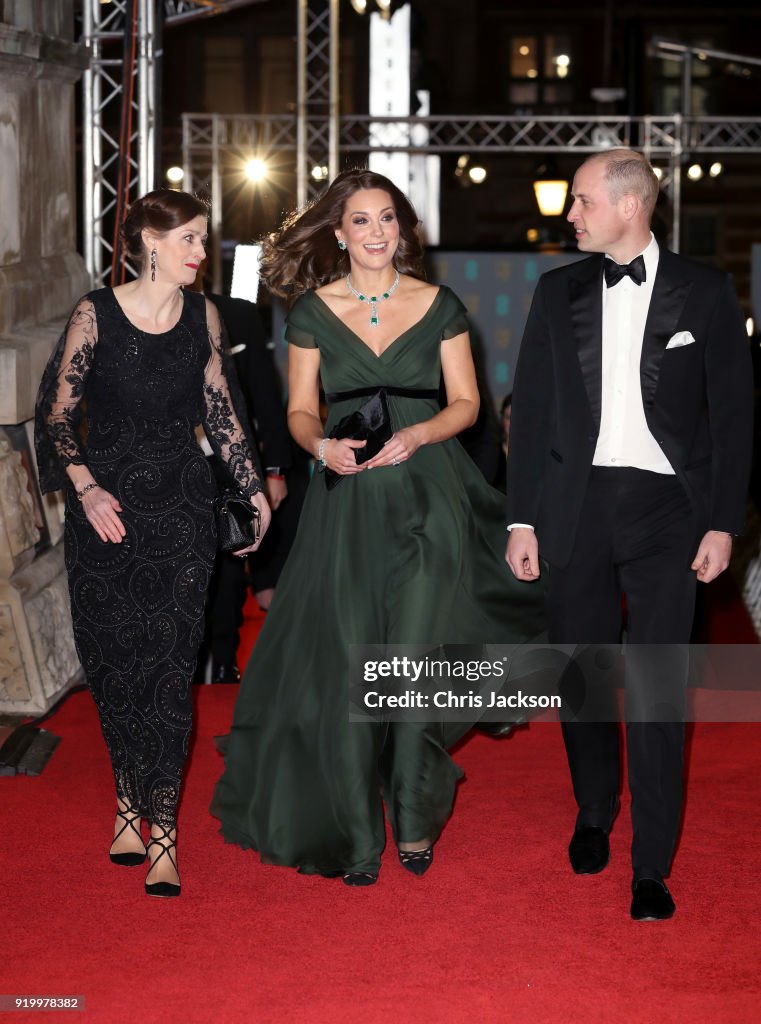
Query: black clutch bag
x,y
238,522
371,423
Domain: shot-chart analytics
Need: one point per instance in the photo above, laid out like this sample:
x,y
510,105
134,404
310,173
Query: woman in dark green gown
x,y
409,548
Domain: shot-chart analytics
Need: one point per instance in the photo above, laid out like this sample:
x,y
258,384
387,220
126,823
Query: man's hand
x,y
713,555
277,491
522,553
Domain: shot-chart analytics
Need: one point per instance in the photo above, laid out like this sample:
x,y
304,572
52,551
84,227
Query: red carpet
x,y
499,930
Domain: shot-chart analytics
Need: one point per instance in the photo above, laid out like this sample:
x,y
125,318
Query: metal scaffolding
x,y
317,98
121,88
121,106
119,98
208,138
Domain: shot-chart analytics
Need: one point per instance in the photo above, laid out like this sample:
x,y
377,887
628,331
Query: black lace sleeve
x,y
57,412
221,420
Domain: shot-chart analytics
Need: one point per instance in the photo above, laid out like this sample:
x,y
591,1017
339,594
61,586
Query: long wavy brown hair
x,y
303,253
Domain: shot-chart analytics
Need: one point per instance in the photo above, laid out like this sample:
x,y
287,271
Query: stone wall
x,y
41,277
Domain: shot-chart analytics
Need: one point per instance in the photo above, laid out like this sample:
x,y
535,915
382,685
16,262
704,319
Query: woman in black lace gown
x,y
140,537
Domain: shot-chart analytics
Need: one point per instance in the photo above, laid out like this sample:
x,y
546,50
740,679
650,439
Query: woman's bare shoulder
x,y
421,289
333,290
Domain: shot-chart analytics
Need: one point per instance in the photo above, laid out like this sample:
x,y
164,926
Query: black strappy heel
x,y
132,859
164,889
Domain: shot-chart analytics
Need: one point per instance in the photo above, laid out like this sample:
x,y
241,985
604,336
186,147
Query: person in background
x,y
505,416
284,487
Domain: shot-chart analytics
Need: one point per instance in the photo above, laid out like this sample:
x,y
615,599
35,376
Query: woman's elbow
x,y
470,407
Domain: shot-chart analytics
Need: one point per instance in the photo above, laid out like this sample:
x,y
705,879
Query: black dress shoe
x,y
223,673
497,730
589,850
651,901
359,878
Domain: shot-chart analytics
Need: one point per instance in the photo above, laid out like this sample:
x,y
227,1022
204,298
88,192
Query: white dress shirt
x,y
625,439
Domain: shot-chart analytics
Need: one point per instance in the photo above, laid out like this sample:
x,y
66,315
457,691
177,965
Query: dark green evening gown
x,y
406,554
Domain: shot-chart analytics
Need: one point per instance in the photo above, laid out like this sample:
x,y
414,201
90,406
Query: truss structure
x,y
317,95
120,111
120,134
118,154
207,138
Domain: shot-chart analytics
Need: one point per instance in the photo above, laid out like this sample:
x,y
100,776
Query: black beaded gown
x,y
137,606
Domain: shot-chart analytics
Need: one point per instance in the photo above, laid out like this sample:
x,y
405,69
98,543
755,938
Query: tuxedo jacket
x,y
258,378
697,397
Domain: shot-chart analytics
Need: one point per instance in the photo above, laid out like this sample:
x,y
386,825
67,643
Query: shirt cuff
x,y
522,526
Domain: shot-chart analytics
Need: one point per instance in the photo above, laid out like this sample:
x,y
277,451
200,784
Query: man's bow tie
x,y
615,271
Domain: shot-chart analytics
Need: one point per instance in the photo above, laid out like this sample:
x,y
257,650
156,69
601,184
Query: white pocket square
x,y
682,338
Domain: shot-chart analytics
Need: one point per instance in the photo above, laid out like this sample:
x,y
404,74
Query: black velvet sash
x,y
344,396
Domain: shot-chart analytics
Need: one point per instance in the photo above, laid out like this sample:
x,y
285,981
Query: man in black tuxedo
x,y
260,384
629,459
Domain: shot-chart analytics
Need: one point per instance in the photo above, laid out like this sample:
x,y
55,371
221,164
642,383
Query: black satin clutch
x,y
238,522
371,423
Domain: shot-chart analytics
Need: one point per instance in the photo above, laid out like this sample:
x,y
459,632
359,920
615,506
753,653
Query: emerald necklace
x,y
372,300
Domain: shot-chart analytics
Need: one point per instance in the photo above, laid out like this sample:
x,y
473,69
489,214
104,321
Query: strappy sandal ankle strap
x,y
166,845
133,858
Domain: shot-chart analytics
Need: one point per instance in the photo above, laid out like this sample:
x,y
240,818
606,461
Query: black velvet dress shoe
x,y
222,673
359,878
651,901
497,730
589,850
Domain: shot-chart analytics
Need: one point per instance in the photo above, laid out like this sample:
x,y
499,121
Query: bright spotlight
x,y
175,175
319,172
532,73
716,168
658,172
256,169
750,326
477,174
562,60
360,6
694,172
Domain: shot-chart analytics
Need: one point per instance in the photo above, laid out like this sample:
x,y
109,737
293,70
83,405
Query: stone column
x,y
41,277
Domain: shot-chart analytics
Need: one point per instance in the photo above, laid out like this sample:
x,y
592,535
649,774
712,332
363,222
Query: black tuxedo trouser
x,y
636,537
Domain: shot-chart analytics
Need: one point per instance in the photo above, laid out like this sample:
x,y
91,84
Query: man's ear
x,y
629,205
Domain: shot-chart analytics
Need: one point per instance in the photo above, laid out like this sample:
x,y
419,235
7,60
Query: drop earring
x,y
342,245
153,264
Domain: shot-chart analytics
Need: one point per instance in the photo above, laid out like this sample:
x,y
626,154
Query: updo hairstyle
x,y
160,211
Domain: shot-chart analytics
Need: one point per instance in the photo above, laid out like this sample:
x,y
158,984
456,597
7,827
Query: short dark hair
x,y
303,252
161,210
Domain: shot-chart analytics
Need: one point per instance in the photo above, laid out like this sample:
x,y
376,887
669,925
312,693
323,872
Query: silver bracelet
x,y
85,490
321,453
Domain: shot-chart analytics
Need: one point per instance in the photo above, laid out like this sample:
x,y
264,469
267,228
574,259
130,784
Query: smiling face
x,y
600,223
179,252
370,229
